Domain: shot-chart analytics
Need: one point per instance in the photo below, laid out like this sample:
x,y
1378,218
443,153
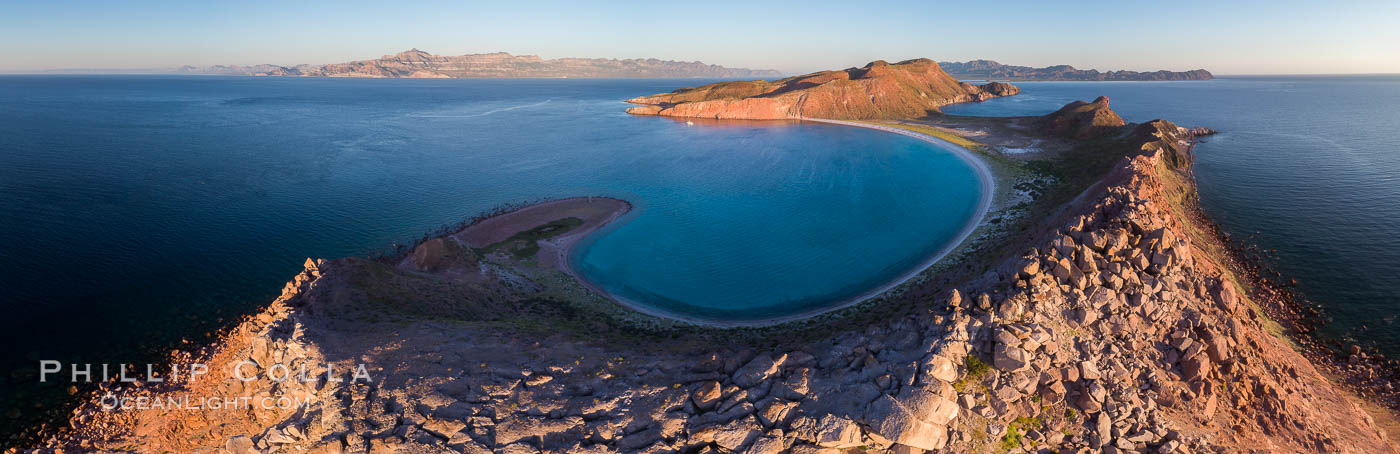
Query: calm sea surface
x,y
1309,166
140,210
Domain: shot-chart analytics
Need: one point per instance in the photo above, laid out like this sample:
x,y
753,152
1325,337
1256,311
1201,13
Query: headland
x,y
879,90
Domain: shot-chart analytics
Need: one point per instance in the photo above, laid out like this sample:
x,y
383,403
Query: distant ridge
x,y
415,63
988,69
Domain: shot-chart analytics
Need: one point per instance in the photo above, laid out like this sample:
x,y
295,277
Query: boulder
x,y
733,435
707,395
891,420
1103,430
1061,270
1030,268
766,445
774,412
941,368
1097,240
758,369
443,428
1077,279
1218,347
1053,392
1195,367
239,445
1087,403
928,406
1089,371
837,432
1064,245
1225,297
1117,240
955,298
1010,358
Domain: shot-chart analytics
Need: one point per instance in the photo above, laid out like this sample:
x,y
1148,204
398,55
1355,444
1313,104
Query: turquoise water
x,y
1307,165
746,222
142,210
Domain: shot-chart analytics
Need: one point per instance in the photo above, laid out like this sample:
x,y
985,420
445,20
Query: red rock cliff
x,y
909,89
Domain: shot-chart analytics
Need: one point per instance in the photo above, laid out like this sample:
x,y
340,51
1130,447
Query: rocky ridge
x,y
1083,120
418,64
879,90
988,69
1117,329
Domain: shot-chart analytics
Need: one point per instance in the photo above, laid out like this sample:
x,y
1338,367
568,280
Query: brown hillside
x,y
1083,120
879,90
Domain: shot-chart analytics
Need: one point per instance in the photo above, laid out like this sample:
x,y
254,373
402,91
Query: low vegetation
x,y
526,244
942,134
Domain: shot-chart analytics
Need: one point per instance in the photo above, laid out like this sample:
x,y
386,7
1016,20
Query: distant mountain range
x,y
988,69
415,63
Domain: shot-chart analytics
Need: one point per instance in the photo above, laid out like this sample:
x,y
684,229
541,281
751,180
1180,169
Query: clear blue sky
x,y
1252,37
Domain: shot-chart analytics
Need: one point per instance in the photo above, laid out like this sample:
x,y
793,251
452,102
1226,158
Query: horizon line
x,y
172,72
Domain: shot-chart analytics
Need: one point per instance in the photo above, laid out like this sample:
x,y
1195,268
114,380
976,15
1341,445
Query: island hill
x,y
879,90
1101,312
415,63
991,70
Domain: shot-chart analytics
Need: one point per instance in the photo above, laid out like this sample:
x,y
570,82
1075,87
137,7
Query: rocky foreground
x,y
417,64
879,90
1109,325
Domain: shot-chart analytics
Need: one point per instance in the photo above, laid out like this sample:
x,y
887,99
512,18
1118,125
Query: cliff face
x,y
987,69
415,63
1114,326
880,90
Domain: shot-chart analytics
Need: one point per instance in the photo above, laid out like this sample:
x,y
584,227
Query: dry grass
x,y
941,134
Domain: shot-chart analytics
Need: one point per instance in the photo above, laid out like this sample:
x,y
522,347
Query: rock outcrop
x,y
987,69
1116,328
1083,120
879,90
418,64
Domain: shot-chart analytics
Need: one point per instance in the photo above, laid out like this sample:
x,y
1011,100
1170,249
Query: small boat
x,y
689,123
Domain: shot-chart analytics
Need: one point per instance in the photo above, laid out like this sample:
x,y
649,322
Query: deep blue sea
x,y
1306,165
140,209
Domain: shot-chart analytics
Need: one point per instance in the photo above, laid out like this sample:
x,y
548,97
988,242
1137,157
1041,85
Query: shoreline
x,y
1366,373
988,193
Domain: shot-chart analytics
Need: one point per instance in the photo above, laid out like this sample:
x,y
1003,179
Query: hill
x,y
879,90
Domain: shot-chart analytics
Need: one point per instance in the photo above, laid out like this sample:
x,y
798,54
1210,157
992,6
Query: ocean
x,y
1306,168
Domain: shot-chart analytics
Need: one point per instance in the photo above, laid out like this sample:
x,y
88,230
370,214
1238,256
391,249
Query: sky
x,y
1246,37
